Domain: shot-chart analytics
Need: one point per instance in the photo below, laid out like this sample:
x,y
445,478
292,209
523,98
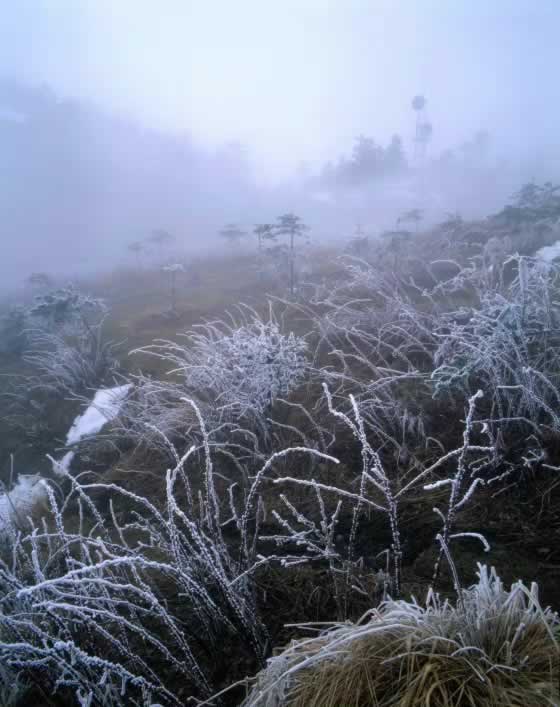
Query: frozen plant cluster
x,y
237,369
66,354
66,367
508,344
492,646
65,309
141,596
67,349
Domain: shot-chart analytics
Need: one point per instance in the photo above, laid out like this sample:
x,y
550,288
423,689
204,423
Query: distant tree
x,y
423,129
533,195
425,132
263,232
395,159
359,243
173,269
533,203
412,216
292,226
232,233
40,281
136,249
162,239
549,192
418,103
367,162
367,158
279,254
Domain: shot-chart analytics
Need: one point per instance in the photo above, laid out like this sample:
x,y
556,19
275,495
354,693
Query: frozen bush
x,y
508,344
66,367
236,370
66,355
65,310
493,647
137,597
382,488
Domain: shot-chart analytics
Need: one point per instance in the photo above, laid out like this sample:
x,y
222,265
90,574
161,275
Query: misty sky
x,y
298,79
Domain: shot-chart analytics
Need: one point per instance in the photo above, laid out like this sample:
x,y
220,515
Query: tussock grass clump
x,y
493,647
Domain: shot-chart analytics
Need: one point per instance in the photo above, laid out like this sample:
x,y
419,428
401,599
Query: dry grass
x,y
493,648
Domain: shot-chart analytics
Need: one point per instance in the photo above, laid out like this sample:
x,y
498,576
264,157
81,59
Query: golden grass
x,y
494,648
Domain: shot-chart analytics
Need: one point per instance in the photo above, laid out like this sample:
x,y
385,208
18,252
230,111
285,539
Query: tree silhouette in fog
x,y
293,227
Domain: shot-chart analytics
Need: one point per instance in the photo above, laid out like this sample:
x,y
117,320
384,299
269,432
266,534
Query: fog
x,y
117,118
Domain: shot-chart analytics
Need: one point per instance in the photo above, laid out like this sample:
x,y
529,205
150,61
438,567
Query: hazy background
x,y
118,117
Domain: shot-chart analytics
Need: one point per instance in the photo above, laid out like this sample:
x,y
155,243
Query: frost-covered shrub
x,y
492,647
507,343
66,355
134,603
66,346
375,334
382,488
155,418
237,370
83,611
373,322
65,366
366,296
65,310
72,611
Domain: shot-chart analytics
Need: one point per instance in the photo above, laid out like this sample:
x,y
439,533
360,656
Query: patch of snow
x,y
16,505
31,490
549,252
63,465
104,407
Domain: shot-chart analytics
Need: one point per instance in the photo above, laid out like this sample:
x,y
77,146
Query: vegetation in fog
x,y
279,354
270,451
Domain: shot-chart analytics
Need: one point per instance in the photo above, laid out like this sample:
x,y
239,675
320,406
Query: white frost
x,y
16,505
104,407
549,252
30,489
64,463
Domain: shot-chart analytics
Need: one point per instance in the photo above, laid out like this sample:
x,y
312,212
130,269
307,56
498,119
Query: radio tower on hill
x,y
422,130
